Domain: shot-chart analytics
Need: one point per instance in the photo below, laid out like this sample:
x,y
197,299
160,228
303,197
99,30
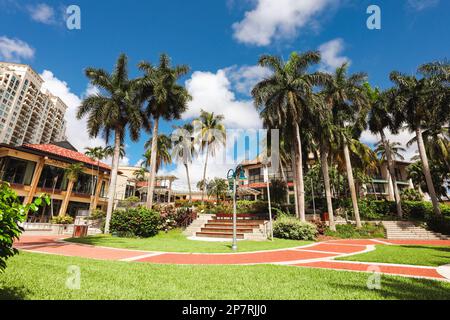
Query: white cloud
x,y
76,129
403,138
15,50
42,13
212,92
420,5
275,19
331,55
246,77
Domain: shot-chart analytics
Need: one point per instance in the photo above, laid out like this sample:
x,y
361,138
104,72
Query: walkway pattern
x,y
317,255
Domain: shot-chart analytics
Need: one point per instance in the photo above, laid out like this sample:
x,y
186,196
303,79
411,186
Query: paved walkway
x,y
317,255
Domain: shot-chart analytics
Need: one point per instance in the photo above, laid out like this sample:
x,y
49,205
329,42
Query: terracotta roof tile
x,y
66,153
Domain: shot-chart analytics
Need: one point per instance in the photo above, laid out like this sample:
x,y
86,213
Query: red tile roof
x,y
66,153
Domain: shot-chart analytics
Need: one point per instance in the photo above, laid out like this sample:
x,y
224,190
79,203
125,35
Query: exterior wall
x,y
28,192
27,114
382,185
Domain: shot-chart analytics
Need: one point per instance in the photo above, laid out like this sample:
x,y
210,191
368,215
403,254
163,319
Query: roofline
x,y
49,155
23,65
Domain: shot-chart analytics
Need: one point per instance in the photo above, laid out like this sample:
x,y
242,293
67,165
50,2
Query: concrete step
x,y
219,235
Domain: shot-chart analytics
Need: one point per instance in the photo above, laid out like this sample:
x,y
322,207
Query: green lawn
x,y
174,241
36,276
413,255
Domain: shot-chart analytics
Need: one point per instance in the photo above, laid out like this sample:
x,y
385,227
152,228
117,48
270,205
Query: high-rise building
x,y
28,114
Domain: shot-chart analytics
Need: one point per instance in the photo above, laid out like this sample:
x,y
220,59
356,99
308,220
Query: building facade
x,y
381,186
36,169
28,115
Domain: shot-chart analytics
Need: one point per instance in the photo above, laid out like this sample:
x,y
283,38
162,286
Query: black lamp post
x,y
233,176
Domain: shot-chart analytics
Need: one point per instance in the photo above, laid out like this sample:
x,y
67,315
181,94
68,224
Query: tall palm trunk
x,y
286,181
204,173
390,162
426,172
297,212
327,185
351,184
151,181
188,181
112,185
299,165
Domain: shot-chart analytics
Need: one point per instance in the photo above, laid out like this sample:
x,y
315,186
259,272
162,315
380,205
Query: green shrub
x,y
439,224
12,212
417,209
252,207
411,195
62,220
349,231
97,215
135,222
291,228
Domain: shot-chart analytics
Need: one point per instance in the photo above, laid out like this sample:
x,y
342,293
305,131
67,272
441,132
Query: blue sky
x,y
221,42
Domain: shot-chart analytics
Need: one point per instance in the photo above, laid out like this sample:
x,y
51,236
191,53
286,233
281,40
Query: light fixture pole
x,y
232,177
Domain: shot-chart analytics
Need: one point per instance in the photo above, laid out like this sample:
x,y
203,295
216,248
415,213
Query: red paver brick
x,y
248,258
335,248
362,242
398,270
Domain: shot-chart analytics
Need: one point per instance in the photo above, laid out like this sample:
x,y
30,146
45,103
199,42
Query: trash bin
x,y
325,217
80,231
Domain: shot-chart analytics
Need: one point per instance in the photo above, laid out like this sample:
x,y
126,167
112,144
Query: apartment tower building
x,y
28,114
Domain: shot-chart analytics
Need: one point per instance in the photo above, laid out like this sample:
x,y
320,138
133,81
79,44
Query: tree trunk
x,y
351,184
188,181
390,161
286,181
297,212
112,185
427,173
326,182
299,165
151,181
204,174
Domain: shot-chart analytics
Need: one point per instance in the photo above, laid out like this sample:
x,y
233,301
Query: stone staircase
x,y
209,226
409,230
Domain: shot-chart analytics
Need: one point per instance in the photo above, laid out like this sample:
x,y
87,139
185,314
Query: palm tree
x,y
184,149
163,152
108,151
166,99
418,101
140,174
284,100
96,154
324,134
114,111
72,172
380,119
217,187
345,96
210,133
395,149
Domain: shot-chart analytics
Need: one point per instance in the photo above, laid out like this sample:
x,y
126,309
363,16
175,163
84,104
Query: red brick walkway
x,y
318,255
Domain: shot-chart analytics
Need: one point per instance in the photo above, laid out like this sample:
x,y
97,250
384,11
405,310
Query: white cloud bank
x,y
276,19
42,13
15,50
420,5
212,92
76,132
332,57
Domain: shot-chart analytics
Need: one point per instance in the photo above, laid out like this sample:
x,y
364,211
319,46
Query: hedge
x,y
135,222
291,228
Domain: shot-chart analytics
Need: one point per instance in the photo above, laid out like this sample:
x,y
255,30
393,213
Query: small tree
x,y
13,212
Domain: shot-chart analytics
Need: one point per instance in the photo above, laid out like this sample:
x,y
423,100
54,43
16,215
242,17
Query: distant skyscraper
x,y
27,113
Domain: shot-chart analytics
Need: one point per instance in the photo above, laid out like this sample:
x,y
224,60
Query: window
x,y
255,176
84,184
16,171
53,177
